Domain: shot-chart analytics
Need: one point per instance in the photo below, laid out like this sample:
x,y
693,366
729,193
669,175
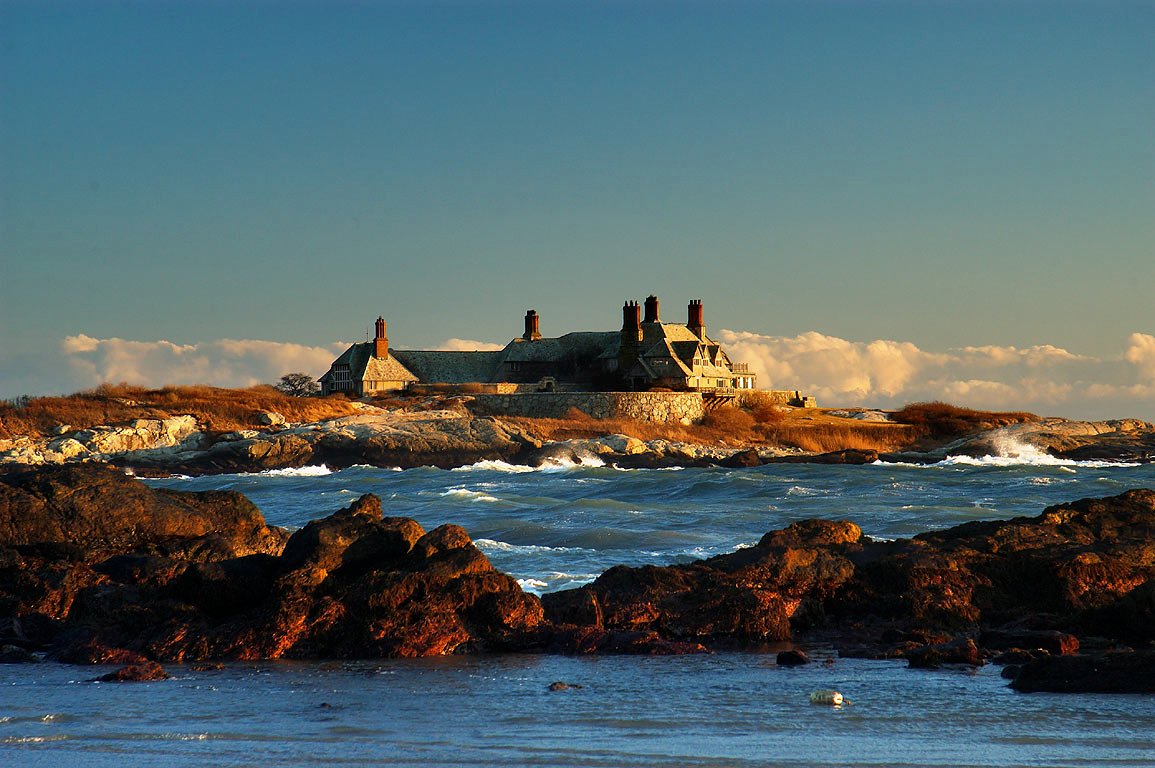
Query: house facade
x,y
644,354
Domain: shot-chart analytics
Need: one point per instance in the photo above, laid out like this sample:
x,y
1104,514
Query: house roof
x,y
578,345
364,366
449,367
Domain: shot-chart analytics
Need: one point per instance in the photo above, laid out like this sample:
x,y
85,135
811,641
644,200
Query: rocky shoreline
x,y
451,437
96,567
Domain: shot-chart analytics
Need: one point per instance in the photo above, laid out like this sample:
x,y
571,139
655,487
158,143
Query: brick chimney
x,y
651,310
532,331
380,341
694,319
631,336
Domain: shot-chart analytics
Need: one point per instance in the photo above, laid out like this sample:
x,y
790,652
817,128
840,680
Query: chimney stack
x,y
694,319
651,310
532,331
380,341
631,336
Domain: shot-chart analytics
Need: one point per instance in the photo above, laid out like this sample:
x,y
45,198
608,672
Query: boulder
x,y
146,671
791,658
961,651
1120,672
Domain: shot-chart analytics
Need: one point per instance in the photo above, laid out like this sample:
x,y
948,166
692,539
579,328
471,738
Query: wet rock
x,y
962,651
746,458
14,654
1121,672
847,456
573,640
115,572
1053,642
792,658
562,686
746,597
147,671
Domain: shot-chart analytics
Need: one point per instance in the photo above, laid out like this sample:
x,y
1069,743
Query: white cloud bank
x,y
1044,379
880,373
224,362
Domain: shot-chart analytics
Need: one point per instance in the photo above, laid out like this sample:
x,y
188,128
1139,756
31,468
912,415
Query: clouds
x,y
224,362
468,345
883,373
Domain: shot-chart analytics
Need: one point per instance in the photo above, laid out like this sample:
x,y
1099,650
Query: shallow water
x,y
562,526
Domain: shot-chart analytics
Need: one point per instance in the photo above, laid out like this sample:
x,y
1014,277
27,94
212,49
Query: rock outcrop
x,y
1079,568
97,567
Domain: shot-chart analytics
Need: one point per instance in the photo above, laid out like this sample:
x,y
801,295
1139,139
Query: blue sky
x,y
938,176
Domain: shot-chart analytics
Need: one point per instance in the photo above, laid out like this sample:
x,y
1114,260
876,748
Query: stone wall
x,y
684,407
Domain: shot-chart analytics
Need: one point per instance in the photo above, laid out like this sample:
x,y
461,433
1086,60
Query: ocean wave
x,y
495,465
1036,458
465,493
524,549
550,465
310,471
799,490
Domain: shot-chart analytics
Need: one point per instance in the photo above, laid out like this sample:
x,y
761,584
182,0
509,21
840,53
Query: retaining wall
x,y
685,407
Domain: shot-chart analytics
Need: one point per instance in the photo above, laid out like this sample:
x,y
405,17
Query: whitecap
x,y
310,471
504,546
465,493
494,465
799,490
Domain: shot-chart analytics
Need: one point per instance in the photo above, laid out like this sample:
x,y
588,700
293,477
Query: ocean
x,y
559,526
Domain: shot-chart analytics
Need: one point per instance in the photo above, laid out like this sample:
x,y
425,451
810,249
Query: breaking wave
x,y
550,465
311,471
465,493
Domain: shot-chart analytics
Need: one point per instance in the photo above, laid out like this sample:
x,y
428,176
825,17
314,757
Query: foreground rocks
x,y
1034,584
96,567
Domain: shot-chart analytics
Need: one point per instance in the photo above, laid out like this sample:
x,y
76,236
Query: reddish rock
x,y
742,459
1052,642
147,671
962,651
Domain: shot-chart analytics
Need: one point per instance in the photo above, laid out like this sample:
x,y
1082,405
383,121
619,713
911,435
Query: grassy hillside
x,y
217,409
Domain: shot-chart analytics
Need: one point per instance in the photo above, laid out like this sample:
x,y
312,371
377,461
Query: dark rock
x,y
135,673
588,640
746,597
169,576
1018,656
14,654
1121,672
742,459
561,686
792,658
847,456
961,651
1051,641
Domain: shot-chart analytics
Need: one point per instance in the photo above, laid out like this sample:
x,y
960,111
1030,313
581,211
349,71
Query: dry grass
x,y
760,422
217,409
943,421
824,438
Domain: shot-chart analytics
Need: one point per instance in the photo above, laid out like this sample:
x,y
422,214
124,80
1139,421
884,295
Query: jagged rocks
x,y
109,570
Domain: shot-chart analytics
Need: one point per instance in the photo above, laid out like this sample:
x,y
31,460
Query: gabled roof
x,y
578,345
449,367
388,369
363,365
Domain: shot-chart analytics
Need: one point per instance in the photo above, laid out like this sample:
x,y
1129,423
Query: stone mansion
x,y
645,354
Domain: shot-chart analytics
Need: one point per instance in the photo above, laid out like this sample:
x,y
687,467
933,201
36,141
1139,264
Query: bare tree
x,y
298,385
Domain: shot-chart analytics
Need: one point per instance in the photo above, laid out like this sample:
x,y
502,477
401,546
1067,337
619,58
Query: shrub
x,y
941,420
